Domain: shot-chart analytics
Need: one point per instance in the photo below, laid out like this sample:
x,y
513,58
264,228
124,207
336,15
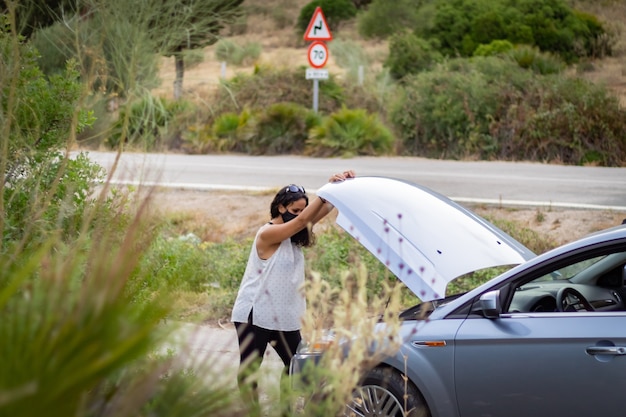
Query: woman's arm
x,y
270,237
328,207
277,232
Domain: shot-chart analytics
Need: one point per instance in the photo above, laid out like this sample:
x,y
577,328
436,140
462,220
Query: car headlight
x,y
317,345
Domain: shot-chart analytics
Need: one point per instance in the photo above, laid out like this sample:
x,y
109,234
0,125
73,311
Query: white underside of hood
x,y
425,239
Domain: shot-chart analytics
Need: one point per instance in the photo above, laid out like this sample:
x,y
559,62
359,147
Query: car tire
x,y
386,392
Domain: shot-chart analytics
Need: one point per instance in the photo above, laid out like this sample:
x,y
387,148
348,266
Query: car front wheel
x,y
386,392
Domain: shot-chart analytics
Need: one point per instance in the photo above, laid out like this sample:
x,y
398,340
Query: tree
x,y
33,15
179,25
172,26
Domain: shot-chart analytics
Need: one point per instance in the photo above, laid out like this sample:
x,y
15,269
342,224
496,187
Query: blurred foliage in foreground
x,y
75,339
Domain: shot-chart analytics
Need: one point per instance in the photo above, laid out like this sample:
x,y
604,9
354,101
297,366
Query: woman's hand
x,y
342,176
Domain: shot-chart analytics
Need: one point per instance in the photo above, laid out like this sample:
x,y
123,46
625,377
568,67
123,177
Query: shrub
x,y
227,128
178,265
267,86
496,47
232,53
44,191
335,12
75,340
280,129
148,124
460,26
383,18
220,137
447,112
56,44
491,108
409,54
350,132
572,121
540,62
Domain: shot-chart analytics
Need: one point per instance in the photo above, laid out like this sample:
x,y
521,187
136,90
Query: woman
x,y
270,302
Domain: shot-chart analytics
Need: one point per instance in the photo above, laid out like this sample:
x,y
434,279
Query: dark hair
x,y
285,197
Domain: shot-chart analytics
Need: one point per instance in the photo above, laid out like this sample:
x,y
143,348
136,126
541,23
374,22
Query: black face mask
x,y
288,216
301,238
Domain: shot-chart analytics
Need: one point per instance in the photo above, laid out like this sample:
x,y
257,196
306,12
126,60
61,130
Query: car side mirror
x,y
490,304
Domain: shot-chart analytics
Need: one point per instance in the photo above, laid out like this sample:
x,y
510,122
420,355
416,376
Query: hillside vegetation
x,y
545,90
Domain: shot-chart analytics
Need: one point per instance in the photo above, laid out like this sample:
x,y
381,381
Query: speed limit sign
x,y
318,54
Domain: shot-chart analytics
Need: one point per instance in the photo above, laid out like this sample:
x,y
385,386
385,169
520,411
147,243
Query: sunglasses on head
x,y
293,188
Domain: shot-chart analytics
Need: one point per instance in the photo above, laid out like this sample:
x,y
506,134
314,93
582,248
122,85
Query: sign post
x,y
317,54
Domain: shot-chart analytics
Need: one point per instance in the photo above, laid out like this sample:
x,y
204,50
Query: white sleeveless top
x,y
273,289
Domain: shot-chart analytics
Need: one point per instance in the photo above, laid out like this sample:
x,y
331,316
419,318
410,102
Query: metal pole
x,y
315,94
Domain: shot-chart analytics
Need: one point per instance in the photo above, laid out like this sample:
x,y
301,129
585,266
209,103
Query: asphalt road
x,y
506,183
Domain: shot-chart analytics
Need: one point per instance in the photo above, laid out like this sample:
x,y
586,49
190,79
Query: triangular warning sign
x,y
318,29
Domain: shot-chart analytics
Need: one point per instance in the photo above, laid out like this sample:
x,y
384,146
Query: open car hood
x,y
424,238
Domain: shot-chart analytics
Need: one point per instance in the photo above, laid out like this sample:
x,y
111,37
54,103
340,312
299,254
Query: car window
x,y
568,271
595,283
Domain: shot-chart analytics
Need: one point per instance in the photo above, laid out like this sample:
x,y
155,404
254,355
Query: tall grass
x,y
76,339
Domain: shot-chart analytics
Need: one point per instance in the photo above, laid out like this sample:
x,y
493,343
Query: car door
x,y
543,363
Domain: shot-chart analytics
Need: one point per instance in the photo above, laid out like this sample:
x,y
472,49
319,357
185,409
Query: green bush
x,y
383,18
267,86
44,192
540,62
572,121
227,130
149,124
282,128
350,132
56,46
335,12
228,51
446,112
409,54
491,108
496,47
176,264
460,26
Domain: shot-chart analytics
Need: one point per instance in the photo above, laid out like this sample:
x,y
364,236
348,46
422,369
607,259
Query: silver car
x,y
545,338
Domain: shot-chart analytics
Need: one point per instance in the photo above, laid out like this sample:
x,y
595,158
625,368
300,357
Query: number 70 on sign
x,y
318,54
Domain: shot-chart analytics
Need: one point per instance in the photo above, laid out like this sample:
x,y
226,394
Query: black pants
x,y
253,341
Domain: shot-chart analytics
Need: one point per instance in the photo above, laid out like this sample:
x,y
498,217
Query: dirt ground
x,y
219,215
